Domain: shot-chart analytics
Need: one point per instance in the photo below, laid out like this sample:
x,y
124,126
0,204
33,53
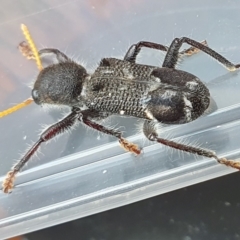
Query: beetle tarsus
x,y
128,146
8,182
230,163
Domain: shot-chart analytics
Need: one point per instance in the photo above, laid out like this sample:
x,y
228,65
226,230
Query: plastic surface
x,y
83,172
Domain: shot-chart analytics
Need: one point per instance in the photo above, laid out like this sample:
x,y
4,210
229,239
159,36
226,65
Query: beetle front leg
x,y
27,52
49,133
60,57
150,132
128,146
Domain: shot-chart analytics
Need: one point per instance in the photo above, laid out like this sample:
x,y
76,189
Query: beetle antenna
x,y
32,46
16,107
35,54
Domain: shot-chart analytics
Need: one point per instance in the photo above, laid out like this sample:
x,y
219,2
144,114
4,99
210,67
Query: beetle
x,y
126,88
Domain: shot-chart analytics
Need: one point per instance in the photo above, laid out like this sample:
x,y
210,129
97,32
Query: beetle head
x,y
59,84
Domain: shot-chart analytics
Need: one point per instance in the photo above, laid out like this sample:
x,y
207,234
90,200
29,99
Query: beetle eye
x,y
35,96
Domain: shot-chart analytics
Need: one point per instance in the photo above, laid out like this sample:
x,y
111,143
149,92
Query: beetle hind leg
x,y
150,131
173,53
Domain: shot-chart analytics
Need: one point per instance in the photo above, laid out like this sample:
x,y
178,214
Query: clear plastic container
x,y
84,172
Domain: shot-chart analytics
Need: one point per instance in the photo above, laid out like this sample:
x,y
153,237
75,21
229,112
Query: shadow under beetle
x,y
126,88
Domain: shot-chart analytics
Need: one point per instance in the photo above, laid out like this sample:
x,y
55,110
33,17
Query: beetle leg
x,y
49,133
26,51
60,57
172,55
192,50
128,146
134,50
150,132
